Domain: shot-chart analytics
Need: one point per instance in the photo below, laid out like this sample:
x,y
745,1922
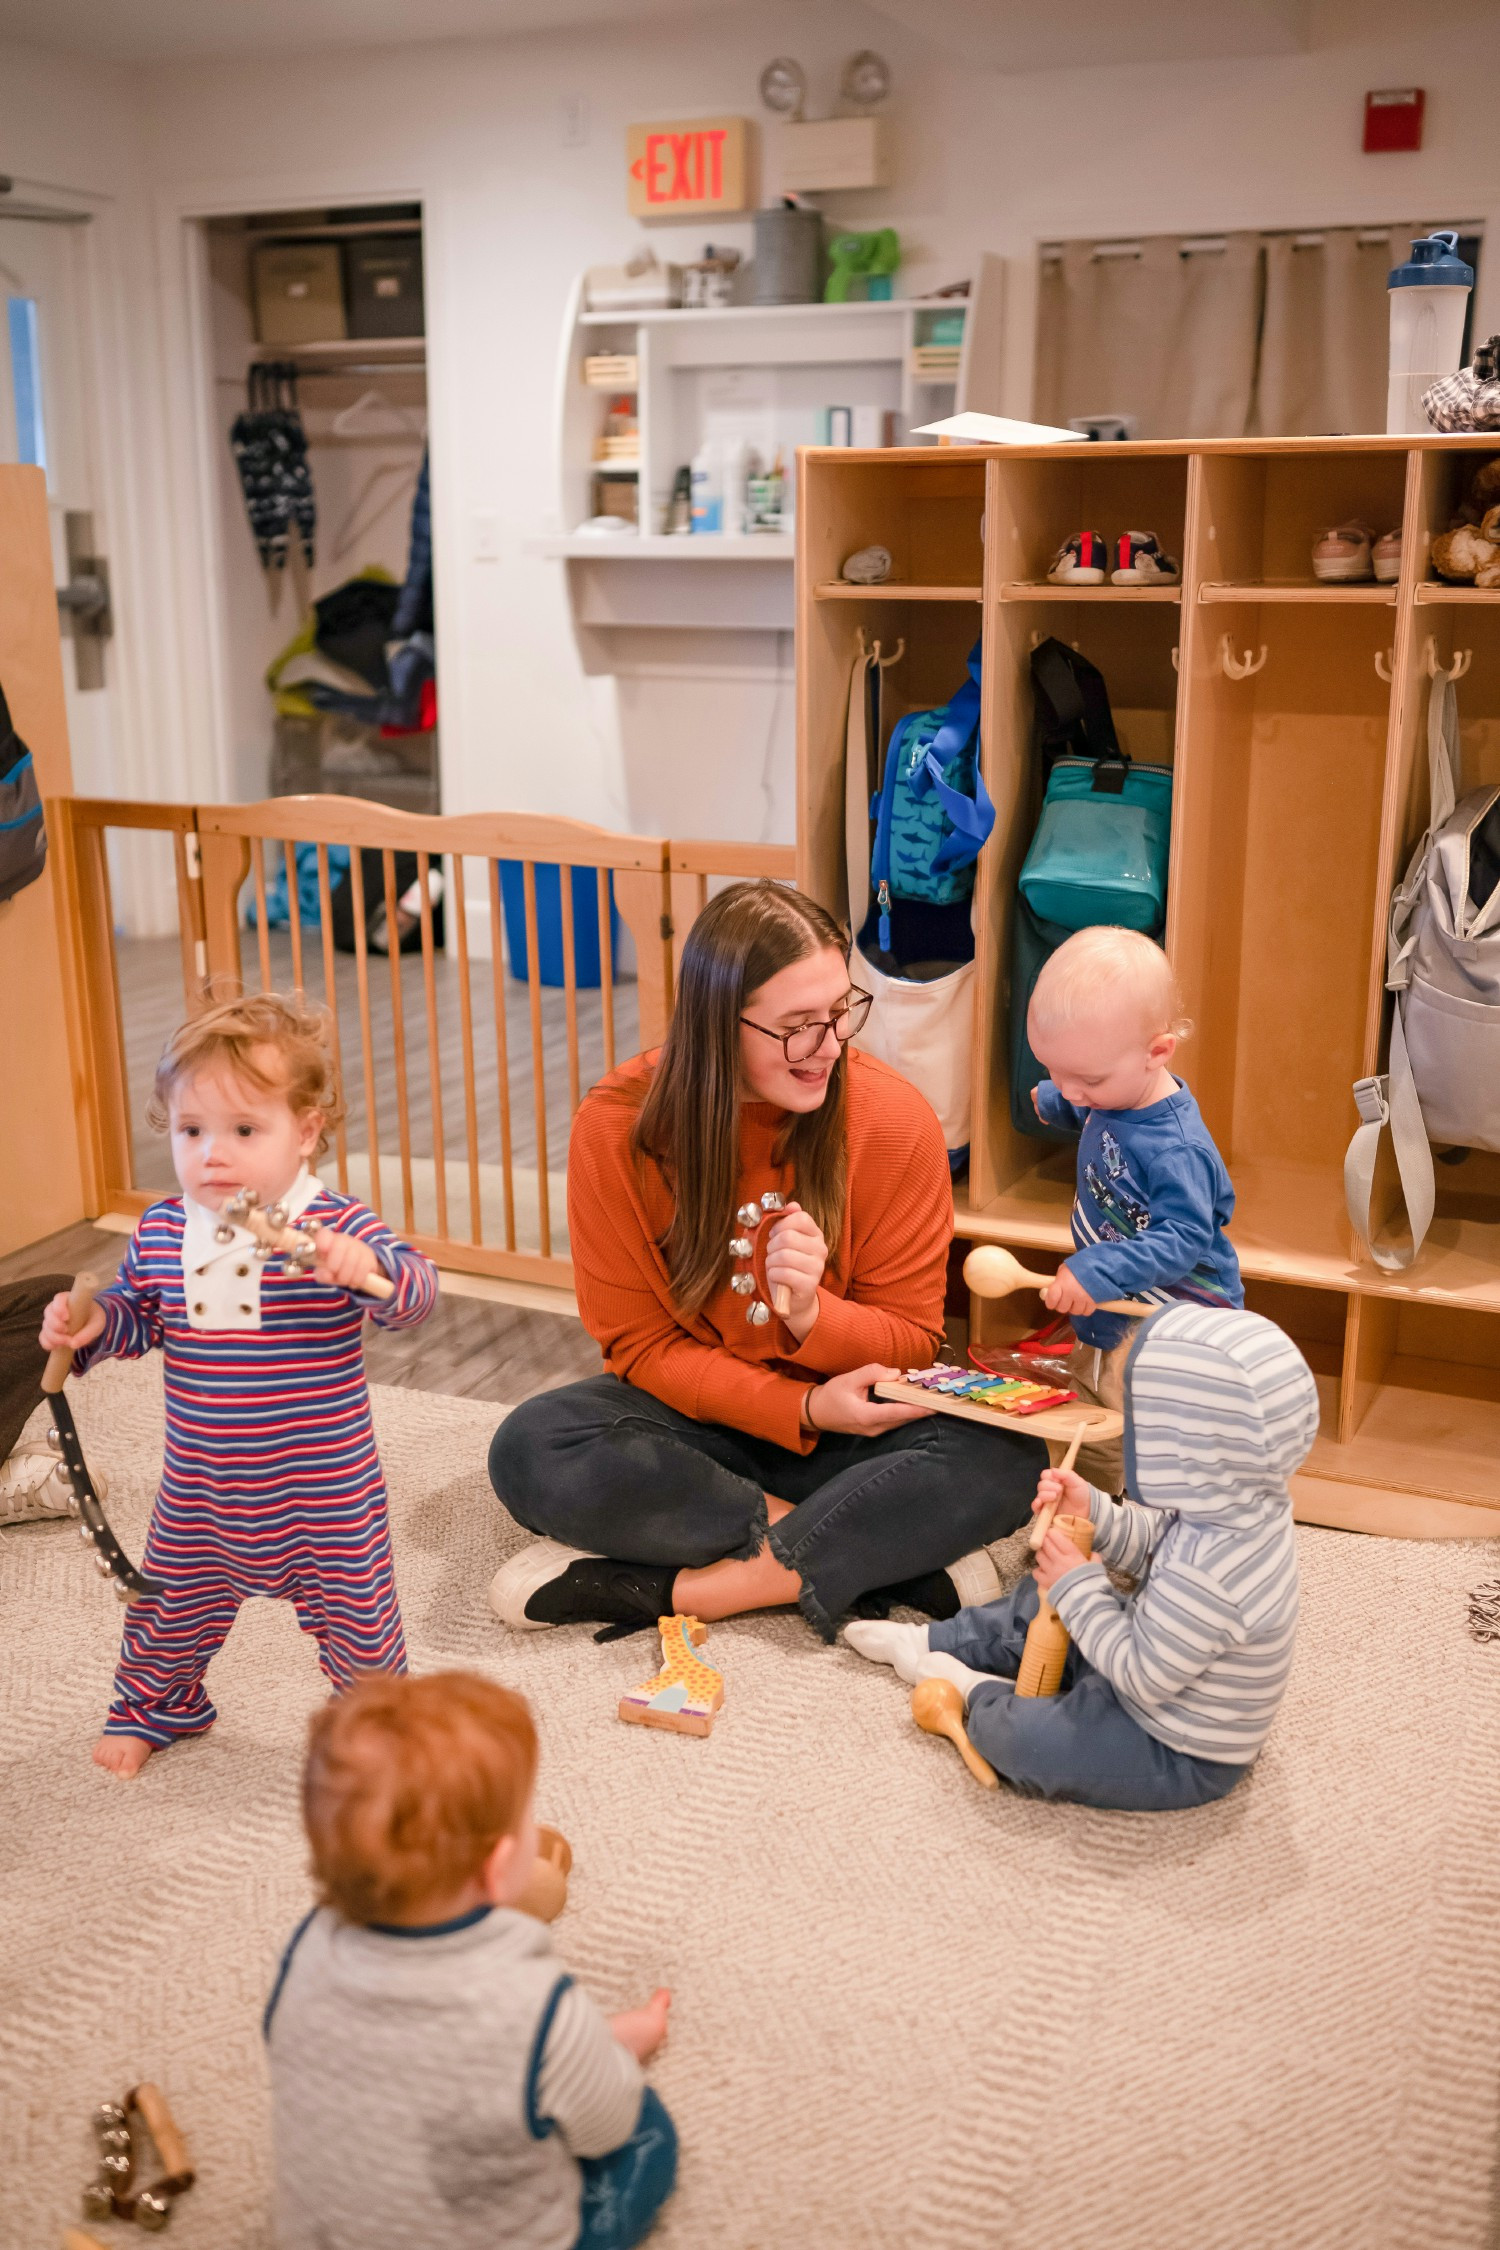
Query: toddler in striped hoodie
x,y
1169,1692
271,1483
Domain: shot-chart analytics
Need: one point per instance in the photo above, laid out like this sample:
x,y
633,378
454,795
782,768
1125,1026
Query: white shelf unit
x,y
758,371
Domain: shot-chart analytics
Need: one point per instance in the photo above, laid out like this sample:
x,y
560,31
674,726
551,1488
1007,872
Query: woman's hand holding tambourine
x,y
796,1260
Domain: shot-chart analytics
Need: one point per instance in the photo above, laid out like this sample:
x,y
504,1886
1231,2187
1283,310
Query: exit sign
x,y
687,170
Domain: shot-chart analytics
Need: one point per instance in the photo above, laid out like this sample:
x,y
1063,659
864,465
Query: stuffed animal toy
x,y
1470,551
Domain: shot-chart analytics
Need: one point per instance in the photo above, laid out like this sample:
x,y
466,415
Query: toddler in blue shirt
x,y
1153,1197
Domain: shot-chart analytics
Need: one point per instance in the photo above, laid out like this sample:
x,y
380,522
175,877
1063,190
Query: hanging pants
x,y
332,1562
1081,1745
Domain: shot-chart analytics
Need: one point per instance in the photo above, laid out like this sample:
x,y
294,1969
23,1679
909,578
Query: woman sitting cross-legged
x,y
731,1459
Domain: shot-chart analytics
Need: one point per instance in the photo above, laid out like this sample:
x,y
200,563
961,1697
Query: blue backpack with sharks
x,y
933,812
23,837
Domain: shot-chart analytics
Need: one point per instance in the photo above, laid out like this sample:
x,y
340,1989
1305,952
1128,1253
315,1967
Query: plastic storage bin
x,y
549,936
385,285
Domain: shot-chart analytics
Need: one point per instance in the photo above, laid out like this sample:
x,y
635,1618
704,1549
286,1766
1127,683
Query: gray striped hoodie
x,y
1220,1410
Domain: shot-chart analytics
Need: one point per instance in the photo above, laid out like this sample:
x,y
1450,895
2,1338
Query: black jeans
x,y
606,1467
22,1304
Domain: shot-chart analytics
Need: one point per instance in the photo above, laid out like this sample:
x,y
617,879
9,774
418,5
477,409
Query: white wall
x,y
476,130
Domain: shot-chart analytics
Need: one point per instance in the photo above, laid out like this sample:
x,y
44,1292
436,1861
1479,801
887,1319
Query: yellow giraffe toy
x,y
686,1694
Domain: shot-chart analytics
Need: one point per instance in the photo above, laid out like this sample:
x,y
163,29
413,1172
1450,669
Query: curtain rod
x,y
1212,245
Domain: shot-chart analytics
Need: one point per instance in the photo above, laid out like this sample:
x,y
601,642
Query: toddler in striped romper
x,y
1168,1692
271,1483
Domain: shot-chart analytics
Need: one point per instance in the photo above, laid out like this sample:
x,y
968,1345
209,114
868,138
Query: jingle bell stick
x,y
275,1233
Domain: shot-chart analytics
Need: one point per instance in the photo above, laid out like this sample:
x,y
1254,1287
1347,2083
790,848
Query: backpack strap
x,y
857,736
1390,1101
970,819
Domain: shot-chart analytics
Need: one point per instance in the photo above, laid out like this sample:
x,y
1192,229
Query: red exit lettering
x,y
682,167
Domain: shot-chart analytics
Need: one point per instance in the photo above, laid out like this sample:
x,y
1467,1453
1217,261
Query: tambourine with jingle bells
x,y
748,1247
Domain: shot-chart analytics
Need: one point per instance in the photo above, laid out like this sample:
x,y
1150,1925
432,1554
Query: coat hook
x,y
1384,663
1240,667
1462,659
885,662
1175,665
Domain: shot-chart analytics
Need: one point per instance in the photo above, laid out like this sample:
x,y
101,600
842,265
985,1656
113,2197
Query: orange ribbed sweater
x,y
883,1300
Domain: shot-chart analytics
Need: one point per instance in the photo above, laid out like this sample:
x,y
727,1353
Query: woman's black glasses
x,y
801,1045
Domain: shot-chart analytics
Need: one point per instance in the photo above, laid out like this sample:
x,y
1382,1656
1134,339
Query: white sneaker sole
x,y
1143,577
1075,578
1342,573
516,1581
975,1579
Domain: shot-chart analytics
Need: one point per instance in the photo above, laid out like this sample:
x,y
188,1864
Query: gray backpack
x,y
1444,968
23,839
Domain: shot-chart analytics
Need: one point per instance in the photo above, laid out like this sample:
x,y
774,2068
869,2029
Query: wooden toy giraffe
x,y
685,1695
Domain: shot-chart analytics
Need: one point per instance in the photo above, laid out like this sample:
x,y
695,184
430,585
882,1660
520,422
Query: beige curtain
x,y
1262,337
1162,332
1324,344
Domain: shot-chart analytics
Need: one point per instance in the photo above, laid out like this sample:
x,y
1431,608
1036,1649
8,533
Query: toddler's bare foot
x,y
122,1754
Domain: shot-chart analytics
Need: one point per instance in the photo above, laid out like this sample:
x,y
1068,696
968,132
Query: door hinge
x,y
194,856
667,930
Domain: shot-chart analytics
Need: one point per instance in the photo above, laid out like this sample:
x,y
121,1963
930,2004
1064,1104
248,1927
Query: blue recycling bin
x,y
549,935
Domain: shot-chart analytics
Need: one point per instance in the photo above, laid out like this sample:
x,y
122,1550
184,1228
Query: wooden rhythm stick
x,y
991,1272
272,1230
1043,1522
60,1359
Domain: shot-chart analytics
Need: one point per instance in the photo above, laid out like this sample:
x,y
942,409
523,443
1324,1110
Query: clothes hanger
x,y
400,422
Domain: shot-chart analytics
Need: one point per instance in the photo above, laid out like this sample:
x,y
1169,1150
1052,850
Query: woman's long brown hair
x,y
690,1120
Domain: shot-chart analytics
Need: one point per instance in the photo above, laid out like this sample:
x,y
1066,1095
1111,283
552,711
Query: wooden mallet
x,y
60,1359
992,1272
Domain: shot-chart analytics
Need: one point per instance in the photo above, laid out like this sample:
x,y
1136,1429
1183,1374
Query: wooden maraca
x,y
992,1272
938,1708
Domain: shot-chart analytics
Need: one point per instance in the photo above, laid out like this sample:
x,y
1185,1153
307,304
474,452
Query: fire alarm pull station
x,y
1393,119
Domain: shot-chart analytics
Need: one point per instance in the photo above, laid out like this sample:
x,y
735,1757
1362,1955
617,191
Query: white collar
x,y
200,1243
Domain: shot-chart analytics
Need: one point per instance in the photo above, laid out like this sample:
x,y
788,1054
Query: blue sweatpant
x,y
623,2192
1081,1745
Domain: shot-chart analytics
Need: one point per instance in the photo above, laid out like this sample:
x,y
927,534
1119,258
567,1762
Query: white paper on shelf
x,y
998,429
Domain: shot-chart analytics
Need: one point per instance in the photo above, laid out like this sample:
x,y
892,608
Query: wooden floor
x,y
466,1347
152,1004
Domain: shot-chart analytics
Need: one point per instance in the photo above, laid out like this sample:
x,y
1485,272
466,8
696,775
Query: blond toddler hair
x,y
276,1042
1105,971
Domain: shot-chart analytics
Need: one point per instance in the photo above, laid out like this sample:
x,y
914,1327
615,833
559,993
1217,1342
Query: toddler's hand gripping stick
x,y
1046,1649
991,1272
110,1557
273,1232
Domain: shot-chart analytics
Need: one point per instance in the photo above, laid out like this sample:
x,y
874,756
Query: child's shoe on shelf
x,y
1385,557
1079,561
1139,561
1342,555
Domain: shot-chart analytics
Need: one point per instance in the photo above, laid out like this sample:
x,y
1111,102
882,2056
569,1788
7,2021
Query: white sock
x,y
902,1646
937,1665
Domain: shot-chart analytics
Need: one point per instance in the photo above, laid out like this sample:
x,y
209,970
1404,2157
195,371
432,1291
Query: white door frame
x,y
199,577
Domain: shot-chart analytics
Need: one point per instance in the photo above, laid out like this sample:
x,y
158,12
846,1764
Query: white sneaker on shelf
x,y
1139,561
34,1484
1079,561
1341,556
1385,558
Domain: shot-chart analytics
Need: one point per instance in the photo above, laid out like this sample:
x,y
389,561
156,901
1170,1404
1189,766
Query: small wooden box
x,y
299,293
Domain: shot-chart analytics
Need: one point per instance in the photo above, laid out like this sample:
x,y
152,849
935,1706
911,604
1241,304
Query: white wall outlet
x,y
485,535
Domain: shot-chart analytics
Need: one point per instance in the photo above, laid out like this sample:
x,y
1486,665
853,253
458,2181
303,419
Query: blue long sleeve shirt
x,y
1150,1209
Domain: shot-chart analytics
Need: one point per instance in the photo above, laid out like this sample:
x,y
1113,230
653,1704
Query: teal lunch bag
x,y
1100,849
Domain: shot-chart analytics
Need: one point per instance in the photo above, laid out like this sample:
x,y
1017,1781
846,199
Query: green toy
x,y
871,258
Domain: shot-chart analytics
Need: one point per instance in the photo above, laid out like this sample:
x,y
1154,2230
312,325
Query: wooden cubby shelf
x,y
839,590
1029,590
1300,790
1309,590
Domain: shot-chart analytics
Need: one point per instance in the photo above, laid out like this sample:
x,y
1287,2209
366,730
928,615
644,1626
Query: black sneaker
x,y
550,1584
965,1584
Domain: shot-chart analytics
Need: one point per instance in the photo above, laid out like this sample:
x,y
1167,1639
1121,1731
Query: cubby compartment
x,y
1076,488
1275,847
927,514
1421,1409
924,647
1260,514
1445,486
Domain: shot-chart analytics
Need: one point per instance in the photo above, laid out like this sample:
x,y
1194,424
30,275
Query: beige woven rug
x,y
907,2013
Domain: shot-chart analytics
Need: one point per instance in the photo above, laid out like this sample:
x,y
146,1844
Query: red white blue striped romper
x,y
271,1483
